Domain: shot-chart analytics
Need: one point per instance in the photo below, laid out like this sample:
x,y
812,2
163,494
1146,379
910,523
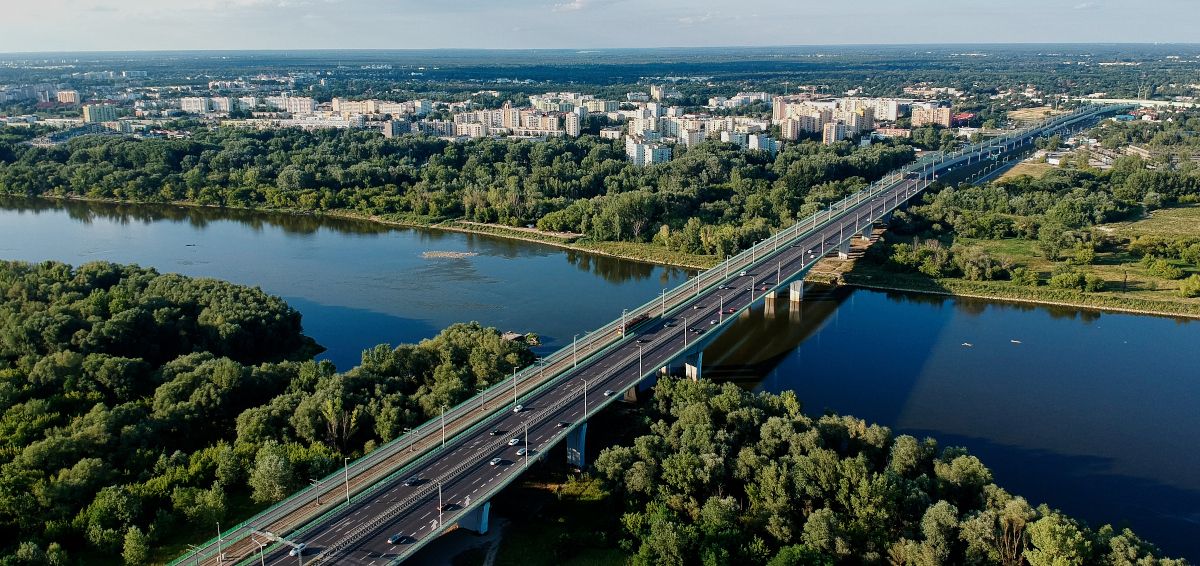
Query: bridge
x,y
386,505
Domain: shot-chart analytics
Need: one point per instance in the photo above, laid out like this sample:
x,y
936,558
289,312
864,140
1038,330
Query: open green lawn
x,y
1027,168
1181,221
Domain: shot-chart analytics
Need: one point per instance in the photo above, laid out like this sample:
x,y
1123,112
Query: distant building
x,y
194,104
573,124
643,152
763,143
68,97
610,133
930,116
834,132
97,113
393,128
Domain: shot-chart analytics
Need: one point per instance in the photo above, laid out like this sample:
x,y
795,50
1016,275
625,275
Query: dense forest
x,y
138,408
711,199
725,476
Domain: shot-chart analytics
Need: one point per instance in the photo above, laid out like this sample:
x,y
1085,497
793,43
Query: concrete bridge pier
x,y
576,444
692,366
866,231
796,291
843,250
769,305
477,520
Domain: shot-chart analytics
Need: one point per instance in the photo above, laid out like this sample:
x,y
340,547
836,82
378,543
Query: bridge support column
x,y
692,366
769,305
770,295
867,231
576,441
886,218
477,520
796,291
843,250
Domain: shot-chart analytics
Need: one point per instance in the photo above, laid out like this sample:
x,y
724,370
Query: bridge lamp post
x,y
195,550
584,380
721,309
514,403
444,424
479,391
317,485
440,506
574,355
262,558
346,462
411,441
525,424
640,371
664,296
685,324
623,330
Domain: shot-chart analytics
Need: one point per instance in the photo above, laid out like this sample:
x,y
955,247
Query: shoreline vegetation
x,y
857,274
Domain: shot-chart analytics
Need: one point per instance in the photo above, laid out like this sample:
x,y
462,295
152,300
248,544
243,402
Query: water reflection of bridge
x,y
761,337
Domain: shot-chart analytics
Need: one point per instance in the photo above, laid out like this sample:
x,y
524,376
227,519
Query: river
x,y
1096,414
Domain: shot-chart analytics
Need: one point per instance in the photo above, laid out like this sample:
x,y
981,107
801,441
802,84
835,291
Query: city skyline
x,y
91,25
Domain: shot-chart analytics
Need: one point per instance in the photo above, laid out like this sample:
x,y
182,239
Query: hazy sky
x,y
69,25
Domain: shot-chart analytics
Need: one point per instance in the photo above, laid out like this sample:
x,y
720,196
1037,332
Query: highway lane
x,y
463,467
616,371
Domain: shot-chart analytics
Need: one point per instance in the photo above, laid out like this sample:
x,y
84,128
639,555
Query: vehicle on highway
x,y
521,451
742,274
397,539
514,441
696,330
447,507
495,462
412,481
561,424
495,432
298,549
518,408
608,392
713,321
671,324
730,310
697,307
643,340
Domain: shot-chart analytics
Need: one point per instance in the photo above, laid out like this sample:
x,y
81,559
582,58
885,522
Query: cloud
x,y
693,20
572,6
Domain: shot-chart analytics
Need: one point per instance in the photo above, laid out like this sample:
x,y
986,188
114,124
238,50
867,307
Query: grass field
x,y
1182,221
1027,168
1031,114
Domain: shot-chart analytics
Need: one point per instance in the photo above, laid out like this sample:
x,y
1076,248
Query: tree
x,y
273,477
1057,541
137,547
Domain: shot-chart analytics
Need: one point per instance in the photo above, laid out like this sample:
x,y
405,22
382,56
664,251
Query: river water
x,y
1096,414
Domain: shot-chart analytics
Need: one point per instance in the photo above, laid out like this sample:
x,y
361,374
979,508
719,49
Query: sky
x,y
107,25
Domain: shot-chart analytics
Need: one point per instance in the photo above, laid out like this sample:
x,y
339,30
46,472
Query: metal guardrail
x,y
593,343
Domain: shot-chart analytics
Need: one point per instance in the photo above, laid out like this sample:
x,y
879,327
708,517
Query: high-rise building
x,y
97,113
643,152
194,104
930,116
68,97
834,132
573,124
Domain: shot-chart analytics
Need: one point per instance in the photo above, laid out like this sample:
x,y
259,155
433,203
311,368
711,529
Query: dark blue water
x,y
356,284
1096,414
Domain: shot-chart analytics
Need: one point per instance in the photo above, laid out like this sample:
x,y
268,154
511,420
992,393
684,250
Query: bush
x,y
1093,283
1084,254
976,265
1068,280
1190,287
1162,268
1025,276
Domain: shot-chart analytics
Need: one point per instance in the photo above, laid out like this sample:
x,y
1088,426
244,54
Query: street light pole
x,y
219,560
584,380
640,371
346,461
317,485
440,506
623,311
574,355
526,425
411,441
514,389
443,426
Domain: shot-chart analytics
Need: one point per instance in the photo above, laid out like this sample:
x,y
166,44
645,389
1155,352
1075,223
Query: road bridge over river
x,y
370,513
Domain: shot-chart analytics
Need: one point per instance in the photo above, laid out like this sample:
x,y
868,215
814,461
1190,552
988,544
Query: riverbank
x,y
872,277
645,253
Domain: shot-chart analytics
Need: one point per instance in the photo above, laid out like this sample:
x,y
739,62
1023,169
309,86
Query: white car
x,y
608,392
298,549
514,441
521,451
518,408
742,274
495,461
